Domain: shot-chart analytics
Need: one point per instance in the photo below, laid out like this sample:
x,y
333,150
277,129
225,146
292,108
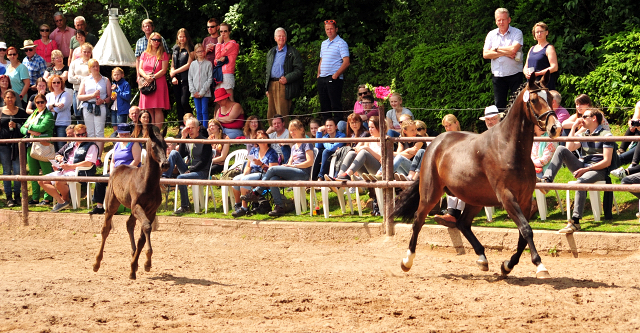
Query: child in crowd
x,y
121,97
200,84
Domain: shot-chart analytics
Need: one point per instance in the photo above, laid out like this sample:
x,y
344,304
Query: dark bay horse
x,y
489,169
139,190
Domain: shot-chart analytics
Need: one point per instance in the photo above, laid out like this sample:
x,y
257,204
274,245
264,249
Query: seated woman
x,y
406,150
71,156
393,115
298,168
220,150
250,130
260,159
124,153
230,114
455,206
364,157
583,103
416,163
542,152
326,149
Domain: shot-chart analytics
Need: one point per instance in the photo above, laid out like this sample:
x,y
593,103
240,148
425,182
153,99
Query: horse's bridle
x,y
545,115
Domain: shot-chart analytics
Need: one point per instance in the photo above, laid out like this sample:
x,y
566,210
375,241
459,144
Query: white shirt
x,y
504,66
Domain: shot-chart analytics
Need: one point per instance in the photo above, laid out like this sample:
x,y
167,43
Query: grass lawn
x,y
625,221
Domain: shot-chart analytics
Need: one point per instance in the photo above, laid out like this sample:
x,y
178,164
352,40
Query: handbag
x,y
149,89
42,151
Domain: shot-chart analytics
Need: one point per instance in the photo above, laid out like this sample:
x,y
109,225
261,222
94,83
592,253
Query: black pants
x,y
99,192
330,95
182,95
503,87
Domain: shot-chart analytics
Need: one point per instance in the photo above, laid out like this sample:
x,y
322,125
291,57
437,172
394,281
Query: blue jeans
x,y
232,133
175,160
401,165
60,132
286,153
8,166
417,161
282,173
251,176
202,110
118,118
326,161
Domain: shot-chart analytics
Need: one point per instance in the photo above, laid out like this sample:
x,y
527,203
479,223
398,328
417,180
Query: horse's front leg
x,y
145,232
464,225
106,229
516,213
508,265
131,225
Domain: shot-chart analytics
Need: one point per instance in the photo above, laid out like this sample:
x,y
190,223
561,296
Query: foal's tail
x,y
407,203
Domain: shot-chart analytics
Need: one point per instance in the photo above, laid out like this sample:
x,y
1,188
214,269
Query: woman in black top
x,y
182,56
11,119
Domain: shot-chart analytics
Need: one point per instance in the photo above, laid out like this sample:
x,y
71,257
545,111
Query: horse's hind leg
x,y
508,265
464,225
131,225
147,228
145,232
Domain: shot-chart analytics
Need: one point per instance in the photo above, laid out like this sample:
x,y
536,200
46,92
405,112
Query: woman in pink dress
x,y
45,45
158,100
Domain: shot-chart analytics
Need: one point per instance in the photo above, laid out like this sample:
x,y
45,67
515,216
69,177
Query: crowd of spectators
x,y
58,83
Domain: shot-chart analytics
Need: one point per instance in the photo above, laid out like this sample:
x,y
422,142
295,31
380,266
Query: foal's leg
x,y
145,232
515,212
426,205
110,202
464,225
131,225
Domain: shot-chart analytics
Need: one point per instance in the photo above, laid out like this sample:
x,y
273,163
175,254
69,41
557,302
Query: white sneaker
x,y
619,172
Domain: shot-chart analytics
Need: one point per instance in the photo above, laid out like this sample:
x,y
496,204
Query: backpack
x,y
261,207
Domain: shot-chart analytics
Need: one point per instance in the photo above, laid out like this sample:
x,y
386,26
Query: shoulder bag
x,y
149,89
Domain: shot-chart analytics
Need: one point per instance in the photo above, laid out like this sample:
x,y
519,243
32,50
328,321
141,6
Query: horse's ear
x,y
164,131
545,78
531,84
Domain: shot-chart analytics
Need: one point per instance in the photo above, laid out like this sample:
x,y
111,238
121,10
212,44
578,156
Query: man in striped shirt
x,y
334,60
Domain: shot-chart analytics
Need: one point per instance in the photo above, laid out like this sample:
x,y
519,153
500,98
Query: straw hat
x,y
28,44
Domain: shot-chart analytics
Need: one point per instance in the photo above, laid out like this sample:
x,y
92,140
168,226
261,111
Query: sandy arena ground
x,y
231,282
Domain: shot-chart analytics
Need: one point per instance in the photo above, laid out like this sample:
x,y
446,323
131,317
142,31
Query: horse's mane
x,y
514,96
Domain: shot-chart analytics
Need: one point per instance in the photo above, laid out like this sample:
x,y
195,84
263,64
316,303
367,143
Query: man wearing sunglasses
x,y
35,64
597,157
283,75
334,60
141,44
62,35
209,43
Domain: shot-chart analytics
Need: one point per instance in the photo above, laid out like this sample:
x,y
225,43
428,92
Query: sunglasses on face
x,y
585,116
3,50
363,93
56,82
81,134
40,102
59,20
44,30
211,26
12,54
156,39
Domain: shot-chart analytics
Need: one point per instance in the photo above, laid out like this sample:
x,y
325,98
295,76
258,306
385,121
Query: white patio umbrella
x,y
113,48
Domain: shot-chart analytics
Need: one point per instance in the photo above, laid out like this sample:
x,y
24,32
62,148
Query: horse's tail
x,y
407,203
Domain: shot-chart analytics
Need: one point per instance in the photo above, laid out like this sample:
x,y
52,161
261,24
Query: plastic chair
x,y
299,195
596,202
207,187
75,190
240,156
325,193
198,198
542,204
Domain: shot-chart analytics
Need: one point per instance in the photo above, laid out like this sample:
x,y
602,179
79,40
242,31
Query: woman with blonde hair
x,y
95,93
298,168
154,63
78,71
220,150
57,68
450,123
251,127
455,206
182,55
542,56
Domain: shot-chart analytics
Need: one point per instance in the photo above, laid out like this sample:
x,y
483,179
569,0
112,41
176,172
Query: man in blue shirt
x,y
283,75
334,60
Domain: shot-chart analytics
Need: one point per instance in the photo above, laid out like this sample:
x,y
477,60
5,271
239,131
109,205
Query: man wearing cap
x,y
80,24
3,57
124,153
35,64
492,116
283,75
197,165
334,60
62,35
503,46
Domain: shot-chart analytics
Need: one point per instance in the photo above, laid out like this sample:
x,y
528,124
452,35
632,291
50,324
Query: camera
x,y
635,123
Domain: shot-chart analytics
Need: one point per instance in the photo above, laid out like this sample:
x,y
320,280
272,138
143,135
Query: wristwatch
x,y
496,49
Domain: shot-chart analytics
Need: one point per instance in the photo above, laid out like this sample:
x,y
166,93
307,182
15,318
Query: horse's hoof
x,y
404,268
96,267
132,276
483,263
504,268
542,272
147,268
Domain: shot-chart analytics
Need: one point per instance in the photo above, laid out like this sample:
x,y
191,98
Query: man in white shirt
x,y
504,47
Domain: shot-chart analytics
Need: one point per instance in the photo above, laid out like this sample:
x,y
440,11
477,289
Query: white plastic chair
x,y
299,195
325,193
207,187
240,156
198,198
542,204
596,203
75,190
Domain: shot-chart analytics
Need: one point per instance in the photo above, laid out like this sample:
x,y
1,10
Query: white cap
x,y
3,45
492,111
